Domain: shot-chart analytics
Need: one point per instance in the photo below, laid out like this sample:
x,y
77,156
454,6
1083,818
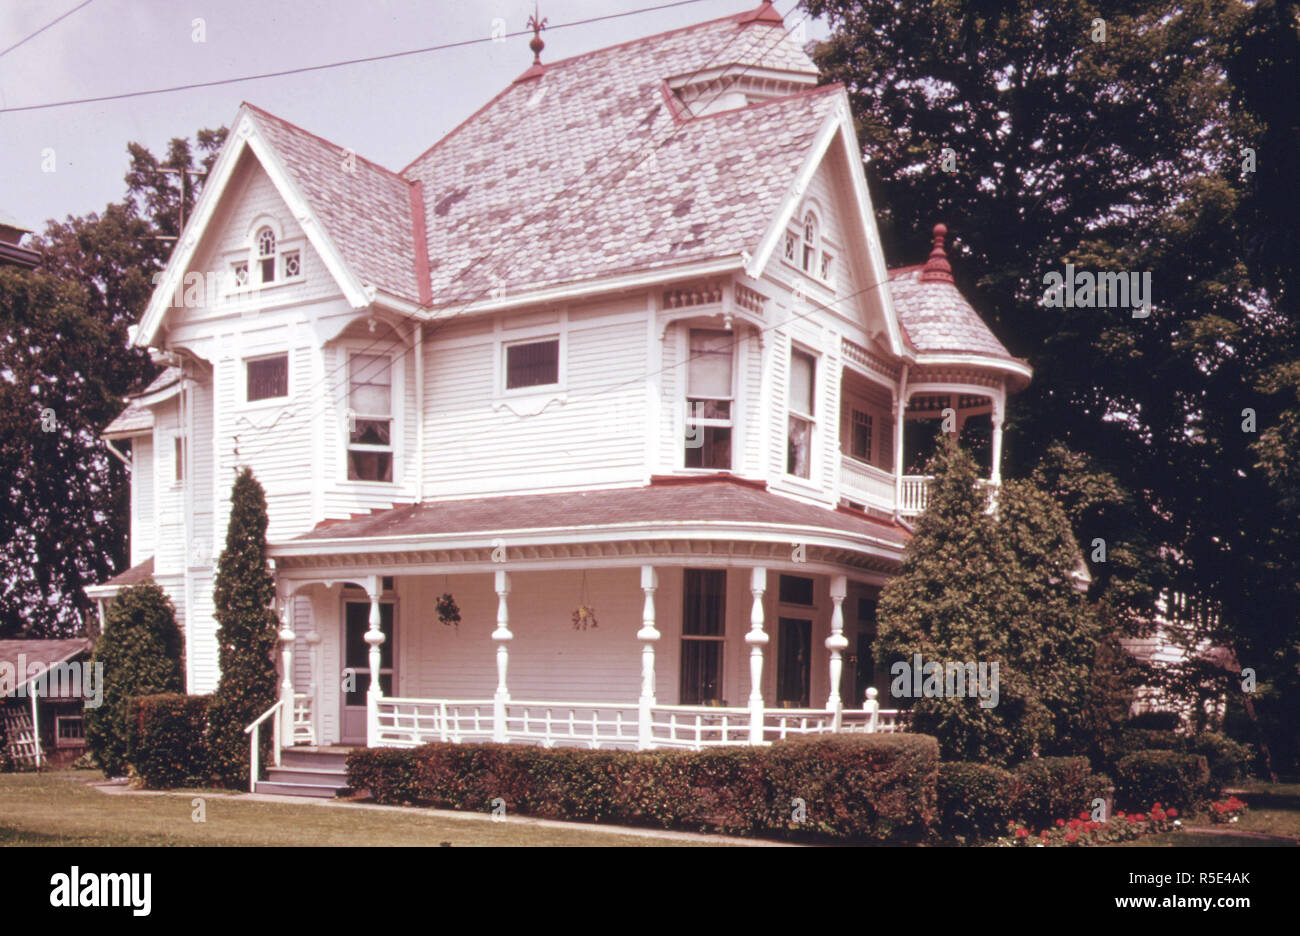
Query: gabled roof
x,y
364,208
553,180
41,653
137,418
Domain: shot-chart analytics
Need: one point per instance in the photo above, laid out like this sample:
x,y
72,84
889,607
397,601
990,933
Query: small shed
x,y
44,688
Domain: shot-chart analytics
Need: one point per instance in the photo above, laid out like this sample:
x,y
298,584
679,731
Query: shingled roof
x,y
553,180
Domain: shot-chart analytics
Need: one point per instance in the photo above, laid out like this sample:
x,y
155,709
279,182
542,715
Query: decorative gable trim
x,y
245,136
838,123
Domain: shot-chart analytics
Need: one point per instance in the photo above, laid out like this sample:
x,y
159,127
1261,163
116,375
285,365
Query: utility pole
x,y
183,173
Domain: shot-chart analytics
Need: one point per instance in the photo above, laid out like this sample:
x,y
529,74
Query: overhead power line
x,y
31,36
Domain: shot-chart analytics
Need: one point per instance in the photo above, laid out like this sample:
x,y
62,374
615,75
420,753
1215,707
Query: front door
x,y
793,662
356,666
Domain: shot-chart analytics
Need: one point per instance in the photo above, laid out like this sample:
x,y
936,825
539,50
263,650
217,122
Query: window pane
x,y
704,603
860,444
701,672
533,365
709,369
802,371
371,432
369,400
798,453
268,378
796,589
372,369
370,466
708,447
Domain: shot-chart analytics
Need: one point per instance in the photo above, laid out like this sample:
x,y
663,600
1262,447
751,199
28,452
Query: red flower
x,y
1120,814
1140,818
1022,833
1131,819
1155,806
1172,814
1060,823
1085,816
1071,837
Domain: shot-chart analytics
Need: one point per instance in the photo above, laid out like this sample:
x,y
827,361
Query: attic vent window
x,y
292,264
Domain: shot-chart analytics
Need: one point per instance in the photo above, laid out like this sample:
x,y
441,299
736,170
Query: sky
x,y
388,111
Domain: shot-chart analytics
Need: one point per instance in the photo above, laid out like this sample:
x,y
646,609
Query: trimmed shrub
x,y
1048,788
974,801
865,787
1147,739
165,739
1228,760
246,635
141,652
1166,777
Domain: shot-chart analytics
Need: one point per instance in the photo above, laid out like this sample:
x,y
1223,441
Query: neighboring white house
x,y
625,340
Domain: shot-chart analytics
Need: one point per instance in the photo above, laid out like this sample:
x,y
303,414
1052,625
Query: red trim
x,y
534,71
765,13
720,477
872,517
420,232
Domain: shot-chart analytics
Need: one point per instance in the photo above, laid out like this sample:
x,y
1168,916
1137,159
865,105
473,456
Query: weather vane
x,y
536,43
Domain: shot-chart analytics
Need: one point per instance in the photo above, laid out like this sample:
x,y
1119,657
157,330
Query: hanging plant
x,y
584,616
448,612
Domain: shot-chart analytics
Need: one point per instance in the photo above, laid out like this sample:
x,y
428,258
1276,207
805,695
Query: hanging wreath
x,y
448,612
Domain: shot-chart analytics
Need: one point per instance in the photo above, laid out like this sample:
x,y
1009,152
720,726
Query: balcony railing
x,y
866,484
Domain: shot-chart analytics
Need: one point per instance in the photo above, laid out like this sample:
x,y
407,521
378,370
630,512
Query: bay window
x,y
370,417
709,399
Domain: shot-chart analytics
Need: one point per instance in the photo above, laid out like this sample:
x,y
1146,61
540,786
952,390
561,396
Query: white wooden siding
x,y
143,517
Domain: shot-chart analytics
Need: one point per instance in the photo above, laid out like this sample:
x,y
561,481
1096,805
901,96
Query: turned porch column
x,y
836,643
501,635
313,657
648,634
287,637
900,414
756,639
999,411
375,638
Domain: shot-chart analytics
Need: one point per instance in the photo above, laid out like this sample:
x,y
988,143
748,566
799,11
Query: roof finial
x,y
936,269
536,43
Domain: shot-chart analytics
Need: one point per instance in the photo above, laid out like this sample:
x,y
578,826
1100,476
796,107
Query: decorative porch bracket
x,y
837,643
648,634
756,638
501,635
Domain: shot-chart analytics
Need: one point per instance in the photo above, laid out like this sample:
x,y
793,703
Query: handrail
x,y
255,732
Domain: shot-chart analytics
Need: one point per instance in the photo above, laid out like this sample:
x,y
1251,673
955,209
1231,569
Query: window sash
x,y
803,384
532,364
267,378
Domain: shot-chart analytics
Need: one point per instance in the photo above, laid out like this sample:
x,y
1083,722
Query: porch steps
x,y
318,772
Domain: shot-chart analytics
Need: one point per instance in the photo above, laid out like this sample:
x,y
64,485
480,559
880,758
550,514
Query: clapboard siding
x,y
591,430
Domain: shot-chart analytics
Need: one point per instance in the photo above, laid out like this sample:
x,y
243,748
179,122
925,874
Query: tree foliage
x,y
65,369
246,633
141,651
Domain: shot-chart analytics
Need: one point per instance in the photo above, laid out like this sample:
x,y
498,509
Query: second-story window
x,y
178,458
802,398
709,398
533,364
267,378
266,254
370,417
860,436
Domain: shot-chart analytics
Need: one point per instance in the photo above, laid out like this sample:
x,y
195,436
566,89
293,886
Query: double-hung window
x,y
709,399
704,609
860,435
370,417
801,403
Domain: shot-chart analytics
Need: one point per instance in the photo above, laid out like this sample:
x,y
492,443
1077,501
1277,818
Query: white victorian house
x,y
624,340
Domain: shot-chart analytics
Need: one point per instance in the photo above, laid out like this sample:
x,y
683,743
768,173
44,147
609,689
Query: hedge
x,y
846,787
1166,777
166,739
974,801
1048,788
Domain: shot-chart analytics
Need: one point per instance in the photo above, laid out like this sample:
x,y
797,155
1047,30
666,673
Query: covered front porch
x,y
696,638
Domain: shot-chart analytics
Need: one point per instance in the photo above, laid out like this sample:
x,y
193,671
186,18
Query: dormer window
x,y
266,254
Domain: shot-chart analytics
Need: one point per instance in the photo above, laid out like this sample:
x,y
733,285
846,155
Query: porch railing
x,y
304,728
866,484
406,722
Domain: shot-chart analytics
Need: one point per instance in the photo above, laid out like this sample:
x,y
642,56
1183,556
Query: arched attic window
x,y
811,234
266,254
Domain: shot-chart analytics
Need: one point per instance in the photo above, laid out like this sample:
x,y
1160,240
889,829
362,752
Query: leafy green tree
x,y
141,650
981,587
63,338
246,634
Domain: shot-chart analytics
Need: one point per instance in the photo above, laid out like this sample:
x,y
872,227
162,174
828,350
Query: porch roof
x,y
19,656
666,502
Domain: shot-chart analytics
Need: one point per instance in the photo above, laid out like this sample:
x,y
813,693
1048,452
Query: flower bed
x,y
1083,830
1228,811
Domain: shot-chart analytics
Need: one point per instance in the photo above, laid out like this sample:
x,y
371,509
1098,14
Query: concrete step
x,y
297,789
323,776
315,759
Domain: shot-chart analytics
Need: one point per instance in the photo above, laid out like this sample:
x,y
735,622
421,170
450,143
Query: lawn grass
x,y
62,808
